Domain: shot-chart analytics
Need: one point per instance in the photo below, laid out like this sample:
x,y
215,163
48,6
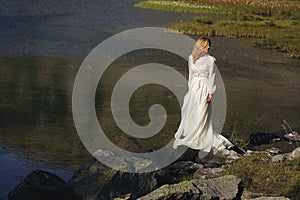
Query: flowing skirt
x,y
195,129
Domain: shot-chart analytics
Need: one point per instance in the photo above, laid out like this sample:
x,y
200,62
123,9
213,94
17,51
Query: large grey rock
x,y
97,181
135,184
295,154
90,180
42,185
143,183
225,187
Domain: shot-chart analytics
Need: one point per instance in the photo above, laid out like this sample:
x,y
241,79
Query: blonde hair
x,y
199,47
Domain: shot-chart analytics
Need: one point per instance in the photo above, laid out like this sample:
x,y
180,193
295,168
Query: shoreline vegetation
x,y
274,23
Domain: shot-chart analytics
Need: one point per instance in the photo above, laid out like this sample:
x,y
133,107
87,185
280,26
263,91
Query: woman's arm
x,y
190,70
211,79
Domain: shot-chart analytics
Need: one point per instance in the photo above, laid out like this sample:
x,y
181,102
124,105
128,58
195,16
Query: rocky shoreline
x,y
187,178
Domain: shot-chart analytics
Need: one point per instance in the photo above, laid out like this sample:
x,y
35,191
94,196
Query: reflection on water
x,y
36,120
14,168
35,101
36,105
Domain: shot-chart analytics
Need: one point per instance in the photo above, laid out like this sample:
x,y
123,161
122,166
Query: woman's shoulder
x,y
211,58
206,58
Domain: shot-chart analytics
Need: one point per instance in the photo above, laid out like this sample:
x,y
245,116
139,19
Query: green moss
x,y
260,175
204,20
294,193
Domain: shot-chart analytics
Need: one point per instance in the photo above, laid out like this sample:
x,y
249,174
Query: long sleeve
x,y
190,70
211,77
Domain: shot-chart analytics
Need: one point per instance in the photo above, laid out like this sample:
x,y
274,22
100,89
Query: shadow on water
x,y
42,51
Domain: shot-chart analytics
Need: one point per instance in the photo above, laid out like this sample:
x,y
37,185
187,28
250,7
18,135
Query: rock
x,y
270,198
132,164
124,197
295,154
294,136
208,173
182,170
102,153
89,181
226,187
139,184
217,158
133,183
279,158
247,195
97,181
287,156
260,138
189,155
42,185
273,150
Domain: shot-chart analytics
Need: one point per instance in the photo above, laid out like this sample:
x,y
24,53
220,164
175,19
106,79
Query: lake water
x,y
42,46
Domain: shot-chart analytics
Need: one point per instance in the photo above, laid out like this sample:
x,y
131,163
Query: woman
x,y
195,130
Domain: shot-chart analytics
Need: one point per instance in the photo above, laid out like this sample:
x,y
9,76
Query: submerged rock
x,y
260,138
42,185
225,187
128,164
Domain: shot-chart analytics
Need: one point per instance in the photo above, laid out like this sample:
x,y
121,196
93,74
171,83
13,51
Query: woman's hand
x,y
209,97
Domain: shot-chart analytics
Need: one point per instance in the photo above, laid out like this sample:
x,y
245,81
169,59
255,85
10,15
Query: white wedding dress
x,y
195,129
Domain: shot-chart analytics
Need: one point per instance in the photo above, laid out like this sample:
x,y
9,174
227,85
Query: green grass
x,y
171,6
276,24
260,175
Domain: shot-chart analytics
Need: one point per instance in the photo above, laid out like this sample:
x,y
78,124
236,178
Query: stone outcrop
x,y
89,181
287,156
225,187
217,158
295,153
135,184
42,185
187,178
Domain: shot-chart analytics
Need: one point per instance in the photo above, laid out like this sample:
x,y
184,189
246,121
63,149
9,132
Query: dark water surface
x,y
43,44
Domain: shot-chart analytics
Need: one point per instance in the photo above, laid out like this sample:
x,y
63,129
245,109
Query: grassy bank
x,y
260,175
275,24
